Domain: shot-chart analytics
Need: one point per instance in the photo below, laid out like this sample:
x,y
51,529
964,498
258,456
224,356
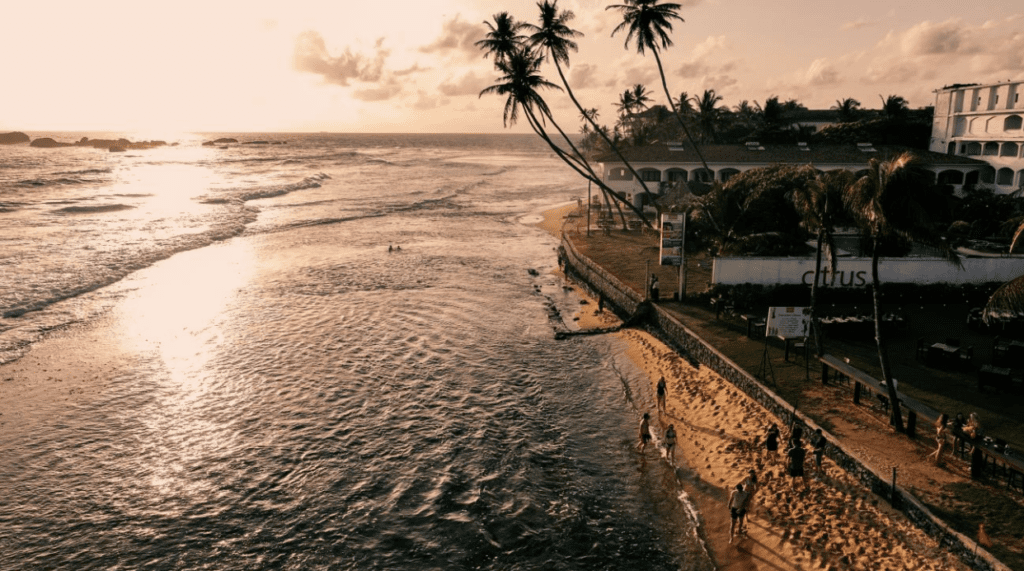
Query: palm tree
x,y
684,105
641,97
1009,297
847,109
894,107
649,23
771,113
818,204
503,38
888,203
708,114
520,82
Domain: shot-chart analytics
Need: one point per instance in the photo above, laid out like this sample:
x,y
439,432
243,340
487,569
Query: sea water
x,y
287,393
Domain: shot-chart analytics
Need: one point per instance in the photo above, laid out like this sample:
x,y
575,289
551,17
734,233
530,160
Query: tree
x,y
1009,297
819,205
847,109
890,203
556,39
521,82
641,97
504,37
649,23
626,104
894,107
708,114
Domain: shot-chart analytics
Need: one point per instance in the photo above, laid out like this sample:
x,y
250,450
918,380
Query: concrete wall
x,y
624,301
856,272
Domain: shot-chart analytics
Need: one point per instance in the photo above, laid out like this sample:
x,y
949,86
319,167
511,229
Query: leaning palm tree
x,y
504,37
888,203
649,23
521,82
819,205
554,36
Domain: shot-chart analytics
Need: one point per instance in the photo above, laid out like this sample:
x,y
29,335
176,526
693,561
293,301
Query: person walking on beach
x,y
771,441
655,290
645,432
818,442
670,443
662,389
737,509
795,456
750,487
941,431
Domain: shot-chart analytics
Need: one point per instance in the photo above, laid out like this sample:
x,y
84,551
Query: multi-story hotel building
x,y
983,122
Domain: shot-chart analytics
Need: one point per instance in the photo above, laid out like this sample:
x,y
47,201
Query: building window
x,y
1012,123
951,177
675,175
650,175
991,148
973,149
1004,177
619,174
1009,150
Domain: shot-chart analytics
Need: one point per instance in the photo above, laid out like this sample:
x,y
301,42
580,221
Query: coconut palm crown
x,y
504,37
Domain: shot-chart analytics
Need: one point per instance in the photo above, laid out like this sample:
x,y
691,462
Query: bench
x,y
862,380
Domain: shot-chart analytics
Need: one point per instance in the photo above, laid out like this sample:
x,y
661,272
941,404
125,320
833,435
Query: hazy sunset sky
x,y
411,66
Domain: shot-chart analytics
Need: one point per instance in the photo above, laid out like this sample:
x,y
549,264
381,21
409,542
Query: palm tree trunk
x,y
568,160
668,95
896,419
600,132
815,323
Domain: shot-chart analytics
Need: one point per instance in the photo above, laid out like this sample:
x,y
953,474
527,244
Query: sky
x,y
160,67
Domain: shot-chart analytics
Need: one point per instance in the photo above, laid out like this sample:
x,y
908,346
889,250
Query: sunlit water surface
x,y
295,397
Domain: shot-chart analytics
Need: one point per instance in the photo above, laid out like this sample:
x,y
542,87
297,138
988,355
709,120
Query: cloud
x,y
410,70
469,84
821,72
928,38
457,36
583,76
700,64
425,101
311,56
857,24
382,92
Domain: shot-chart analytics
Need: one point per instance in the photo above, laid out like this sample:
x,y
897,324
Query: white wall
x,y
856,272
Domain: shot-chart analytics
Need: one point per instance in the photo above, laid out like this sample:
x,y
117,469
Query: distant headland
x,y
113,145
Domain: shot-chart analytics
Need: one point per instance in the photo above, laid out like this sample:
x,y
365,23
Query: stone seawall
x,y
624,301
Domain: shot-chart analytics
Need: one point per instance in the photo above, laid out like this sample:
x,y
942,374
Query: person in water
x,y
670,443
645,432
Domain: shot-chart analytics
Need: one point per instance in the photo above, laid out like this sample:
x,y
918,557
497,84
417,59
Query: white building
x,y
984,122
661,164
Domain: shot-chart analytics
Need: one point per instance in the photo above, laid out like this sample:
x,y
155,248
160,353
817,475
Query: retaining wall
x,y
624,301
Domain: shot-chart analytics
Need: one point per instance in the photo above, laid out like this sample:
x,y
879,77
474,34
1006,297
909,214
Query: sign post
x,y
673,236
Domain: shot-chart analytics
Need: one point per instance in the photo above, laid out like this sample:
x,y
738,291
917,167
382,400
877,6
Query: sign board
x,y
788,322
670,248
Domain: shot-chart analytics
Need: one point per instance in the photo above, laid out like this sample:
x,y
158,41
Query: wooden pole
x,y
682,262
588,208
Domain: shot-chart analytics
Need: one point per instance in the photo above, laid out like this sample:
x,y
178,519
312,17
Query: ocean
x,y
270,388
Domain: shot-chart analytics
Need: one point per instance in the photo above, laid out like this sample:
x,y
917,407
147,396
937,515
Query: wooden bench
x,y
862,380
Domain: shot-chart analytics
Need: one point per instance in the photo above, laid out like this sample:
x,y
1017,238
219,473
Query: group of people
x,y
795,452
739,503
670,432
962,430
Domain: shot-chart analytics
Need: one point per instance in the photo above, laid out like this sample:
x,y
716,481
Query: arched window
x,y
988,175
1009,150
991,148
1012,123
973,149
951,177
650,175
726,174
703,175
676,175
1004,177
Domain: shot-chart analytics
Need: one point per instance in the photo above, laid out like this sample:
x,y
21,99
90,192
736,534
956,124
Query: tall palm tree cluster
x,y
520,48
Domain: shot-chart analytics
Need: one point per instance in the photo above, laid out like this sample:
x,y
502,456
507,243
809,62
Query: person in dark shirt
x,y
795,456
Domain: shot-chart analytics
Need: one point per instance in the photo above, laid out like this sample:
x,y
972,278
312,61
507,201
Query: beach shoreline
x,y
831,523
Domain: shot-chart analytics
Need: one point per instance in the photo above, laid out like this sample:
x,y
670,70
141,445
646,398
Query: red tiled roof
x,y
772,154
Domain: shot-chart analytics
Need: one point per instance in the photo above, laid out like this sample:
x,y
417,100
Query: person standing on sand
x,y
818,442
940,439
771,441
655,290
795,461
750,487
645,432
661,394
737,509
670,443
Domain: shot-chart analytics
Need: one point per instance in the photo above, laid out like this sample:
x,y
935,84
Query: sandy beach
x,y
831,523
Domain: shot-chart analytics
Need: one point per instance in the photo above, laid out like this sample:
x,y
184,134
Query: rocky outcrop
x,y
221,141
13,138
48,143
